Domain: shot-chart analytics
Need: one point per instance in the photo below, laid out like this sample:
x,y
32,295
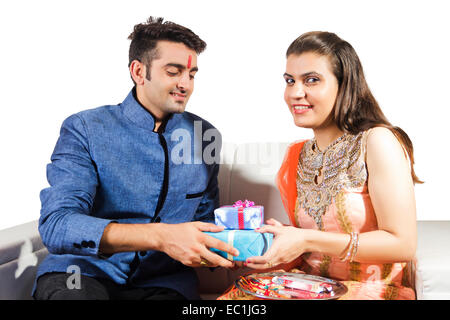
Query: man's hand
x,y
187,243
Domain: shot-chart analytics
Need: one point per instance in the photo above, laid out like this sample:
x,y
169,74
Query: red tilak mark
x,y
189,62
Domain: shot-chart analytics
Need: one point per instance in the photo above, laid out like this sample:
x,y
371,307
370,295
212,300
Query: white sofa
x,y
247,172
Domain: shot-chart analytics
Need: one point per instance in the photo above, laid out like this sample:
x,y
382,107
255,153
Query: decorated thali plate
x,y
290,286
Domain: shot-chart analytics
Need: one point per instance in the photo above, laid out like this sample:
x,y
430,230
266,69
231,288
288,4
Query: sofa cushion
x,y
433,260
253,177
247,172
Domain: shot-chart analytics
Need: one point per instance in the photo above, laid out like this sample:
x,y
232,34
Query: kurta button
x,y
84,244
77,245
142,253
91,244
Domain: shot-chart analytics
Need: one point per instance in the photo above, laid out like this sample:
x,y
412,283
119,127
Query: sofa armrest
x,y
21,251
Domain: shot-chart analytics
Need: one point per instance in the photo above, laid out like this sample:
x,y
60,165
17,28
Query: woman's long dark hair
x,y
355,109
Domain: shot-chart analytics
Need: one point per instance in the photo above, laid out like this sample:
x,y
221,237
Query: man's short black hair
x,y
145,37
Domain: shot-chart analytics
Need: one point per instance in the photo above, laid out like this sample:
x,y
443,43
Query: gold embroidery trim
x,y
386,274
406,274
296,212
355,271
324,266
391,291
346,225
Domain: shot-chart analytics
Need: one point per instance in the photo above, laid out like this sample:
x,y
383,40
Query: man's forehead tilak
x,y
189,62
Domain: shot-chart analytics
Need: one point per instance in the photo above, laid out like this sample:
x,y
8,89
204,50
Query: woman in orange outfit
x,y
349,191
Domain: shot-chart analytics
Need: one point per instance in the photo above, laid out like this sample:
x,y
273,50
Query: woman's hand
x,y
275,223
289,243
187,243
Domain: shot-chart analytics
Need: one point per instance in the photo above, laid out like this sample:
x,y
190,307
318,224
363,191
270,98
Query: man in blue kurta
x,y
133,185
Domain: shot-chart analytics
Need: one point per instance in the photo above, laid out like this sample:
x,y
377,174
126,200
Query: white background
x,y
61,57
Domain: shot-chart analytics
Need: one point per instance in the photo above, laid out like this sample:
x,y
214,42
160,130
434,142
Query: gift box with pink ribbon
x,y
242,215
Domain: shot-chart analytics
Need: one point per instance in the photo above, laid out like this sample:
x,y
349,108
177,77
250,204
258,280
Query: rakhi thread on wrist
x,y
350,250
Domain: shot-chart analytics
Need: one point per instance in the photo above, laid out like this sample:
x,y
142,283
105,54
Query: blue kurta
x,y
108,165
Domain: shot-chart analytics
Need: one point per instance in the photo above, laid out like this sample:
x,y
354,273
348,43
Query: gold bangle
x,y
344,252
355,247
350,251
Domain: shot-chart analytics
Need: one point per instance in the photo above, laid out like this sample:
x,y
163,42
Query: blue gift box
x,y
233,218
249,243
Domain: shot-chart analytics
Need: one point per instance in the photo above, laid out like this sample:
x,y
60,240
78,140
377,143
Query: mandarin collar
x,y
140,116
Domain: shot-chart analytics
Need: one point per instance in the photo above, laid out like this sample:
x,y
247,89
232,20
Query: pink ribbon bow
x,y
244,204
240,206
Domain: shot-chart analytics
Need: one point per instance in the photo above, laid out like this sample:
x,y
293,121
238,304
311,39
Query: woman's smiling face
x,y
311,89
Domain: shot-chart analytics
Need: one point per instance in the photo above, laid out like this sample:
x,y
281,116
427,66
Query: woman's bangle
x,y
351,248
347,248
355,247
